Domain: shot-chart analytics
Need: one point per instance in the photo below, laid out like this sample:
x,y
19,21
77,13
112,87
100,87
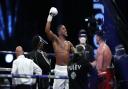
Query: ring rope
x,y
12,52
32,76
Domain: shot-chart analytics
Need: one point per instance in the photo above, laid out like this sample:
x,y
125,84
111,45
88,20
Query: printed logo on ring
x,y
73,75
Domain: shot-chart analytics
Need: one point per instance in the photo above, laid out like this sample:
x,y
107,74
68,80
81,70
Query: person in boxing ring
x,y
62,49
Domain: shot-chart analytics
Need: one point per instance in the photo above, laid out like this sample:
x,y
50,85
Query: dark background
x,y
31,17
122,21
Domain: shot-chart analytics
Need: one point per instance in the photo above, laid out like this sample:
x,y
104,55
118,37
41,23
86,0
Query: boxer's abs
x,y
62,53
62,58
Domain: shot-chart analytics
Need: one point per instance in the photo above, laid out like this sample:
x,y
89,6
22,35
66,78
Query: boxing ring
x,y
32,76
7,74
11,76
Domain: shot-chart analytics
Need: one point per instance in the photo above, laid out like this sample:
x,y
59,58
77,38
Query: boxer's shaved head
x,y
62,31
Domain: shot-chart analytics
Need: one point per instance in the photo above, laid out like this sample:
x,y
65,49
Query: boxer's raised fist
x,y
53,11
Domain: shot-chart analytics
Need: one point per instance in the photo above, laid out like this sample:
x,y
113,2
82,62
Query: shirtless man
x,y
62,49
103,61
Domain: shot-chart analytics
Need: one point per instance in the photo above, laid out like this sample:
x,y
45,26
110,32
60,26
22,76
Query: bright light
x,y
9,58
86,20
95,53
94,41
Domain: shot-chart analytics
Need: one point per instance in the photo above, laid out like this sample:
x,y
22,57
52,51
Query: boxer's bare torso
x,y
61,46
103,57
62,51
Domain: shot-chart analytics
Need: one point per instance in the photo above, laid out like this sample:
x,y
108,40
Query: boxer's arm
x,y
53,12
49,33
73,49
99,61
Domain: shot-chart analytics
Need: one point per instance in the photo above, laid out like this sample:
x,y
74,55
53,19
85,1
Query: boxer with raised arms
x,y
62,49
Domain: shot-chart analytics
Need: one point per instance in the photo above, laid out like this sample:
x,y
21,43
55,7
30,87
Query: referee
x,y
23,65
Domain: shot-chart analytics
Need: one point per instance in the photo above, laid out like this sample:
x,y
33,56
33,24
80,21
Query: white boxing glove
x,y
53,12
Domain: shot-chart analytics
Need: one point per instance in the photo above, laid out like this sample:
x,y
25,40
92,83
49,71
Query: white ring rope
x,y
32,76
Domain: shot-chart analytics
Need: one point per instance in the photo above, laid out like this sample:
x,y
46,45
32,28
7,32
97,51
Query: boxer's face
x,y
63,31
